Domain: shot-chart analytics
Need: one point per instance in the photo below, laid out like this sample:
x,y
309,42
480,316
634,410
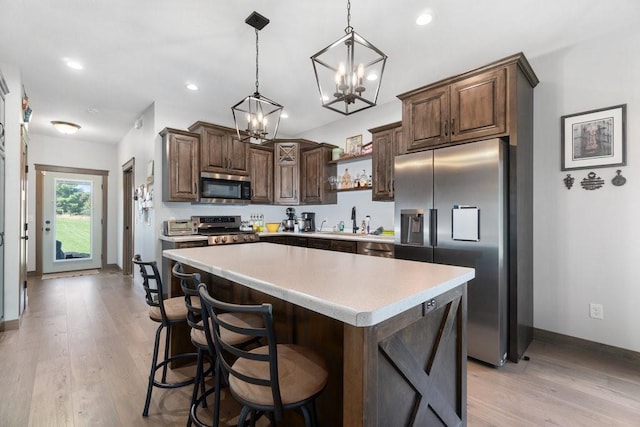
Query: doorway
x,y
71,218
128,189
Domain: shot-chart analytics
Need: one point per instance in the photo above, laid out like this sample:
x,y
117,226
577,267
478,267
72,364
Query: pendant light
x,y
256,116
349,72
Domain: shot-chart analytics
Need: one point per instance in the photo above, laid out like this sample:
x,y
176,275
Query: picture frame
x,y
353,145
594,139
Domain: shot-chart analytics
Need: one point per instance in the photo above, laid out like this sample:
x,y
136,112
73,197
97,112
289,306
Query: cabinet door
x,y
425,116
286,174
478,106
312,176
214,150
182,161
261,170
383,154
344,246
237,155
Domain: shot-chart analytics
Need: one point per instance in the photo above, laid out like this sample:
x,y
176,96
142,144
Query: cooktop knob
x,y
224,239
235,238
217,239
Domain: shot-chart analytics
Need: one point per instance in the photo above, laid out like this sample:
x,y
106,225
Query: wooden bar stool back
x,y
268,379
166,312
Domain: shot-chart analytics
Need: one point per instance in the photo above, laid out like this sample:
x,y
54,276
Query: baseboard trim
x,y
554,337
9,325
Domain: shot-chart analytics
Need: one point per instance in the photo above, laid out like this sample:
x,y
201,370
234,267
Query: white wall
x,y
138,144
586,242
71,151
13,102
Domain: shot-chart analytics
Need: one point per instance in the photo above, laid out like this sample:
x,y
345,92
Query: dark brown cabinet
x,y
316,171
464,108
387,143
180,165
261,173
286,173
221,151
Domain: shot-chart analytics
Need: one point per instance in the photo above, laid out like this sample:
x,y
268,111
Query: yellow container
x,y
272,227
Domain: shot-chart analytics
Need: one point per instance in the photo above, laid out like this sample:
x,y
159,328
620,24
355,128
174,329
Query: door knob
x,y
47,229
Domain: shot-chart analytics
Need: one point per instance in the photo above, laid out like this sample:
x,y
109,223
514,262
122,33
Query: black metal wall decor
x,y
619,180
592,182
568,181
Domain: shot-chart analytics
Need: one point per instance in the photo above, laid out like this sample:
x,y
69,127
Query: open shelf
x,y
343,190
350,159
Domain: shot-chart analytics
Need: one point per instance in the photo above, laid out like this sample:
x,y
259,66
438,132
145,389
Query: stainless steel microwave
x,y
221,188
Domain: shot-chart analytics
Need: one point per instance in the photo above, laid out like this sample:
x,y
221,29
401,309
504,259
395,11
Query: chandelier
x,y
349,78
256,117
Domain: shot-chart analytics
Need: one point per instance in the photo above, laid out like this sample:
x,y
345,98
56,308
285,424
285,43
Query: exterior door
x,y
72,228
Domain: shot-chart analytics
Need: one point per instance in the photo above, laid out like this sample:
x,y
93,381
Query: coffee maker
x,y
289,224
309,221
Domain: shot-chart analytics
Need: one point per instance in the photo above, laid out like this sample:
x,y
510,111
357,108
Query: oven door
x,y
220,188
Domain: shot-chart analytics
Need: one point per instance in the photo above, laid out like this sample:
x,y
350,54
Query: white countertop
x,y
356,289
180,239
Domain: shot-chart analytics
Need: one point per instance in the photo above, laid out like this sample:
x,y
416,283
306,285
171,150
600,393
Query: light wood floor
x,y
81,358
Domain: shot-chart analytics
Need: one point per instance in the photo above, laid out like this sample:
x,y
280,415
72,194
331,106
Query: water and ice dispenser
x,y
412,227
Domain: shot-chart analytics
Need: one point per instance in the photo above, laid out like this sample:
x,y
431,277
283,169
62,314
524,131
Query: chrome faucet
x,y
353,218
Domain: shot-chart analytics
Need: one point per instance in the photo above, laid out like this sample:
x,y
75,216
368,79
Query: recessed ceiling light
x,y
325,98
284,115
92,110
372,77
67,128
73,64
192,86
424,18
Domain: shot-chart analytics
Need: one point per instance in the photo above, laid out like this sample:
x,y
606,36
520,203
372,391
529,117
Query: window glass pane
x,y
73,220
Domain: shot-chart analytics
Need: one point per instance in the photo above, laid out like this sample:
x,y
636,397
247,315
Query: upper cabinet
x,y
387,143
261,173
221,151
316,171
286,173
180,165
471,106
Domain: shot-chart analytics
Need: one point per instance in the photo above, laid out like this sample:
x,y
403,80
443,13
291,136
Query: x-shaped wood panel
x,y
410,368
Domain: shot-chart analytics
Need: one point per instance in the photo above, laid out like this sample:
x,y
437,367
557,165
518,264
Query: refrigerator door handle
x,y
433,227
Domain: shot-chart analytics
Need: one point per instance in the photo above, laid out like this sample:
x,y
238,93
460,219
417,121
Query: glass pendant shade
x,y
349,72
257,117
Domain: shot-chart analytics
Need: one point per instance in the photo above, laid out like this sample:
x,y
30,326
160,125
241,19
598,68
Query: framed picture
x,y
353,146
594,139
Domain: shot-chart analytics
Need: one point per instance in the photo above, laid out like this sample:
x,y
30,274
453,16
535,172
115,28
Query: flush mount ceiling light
x,y
66,128
257,117
349,72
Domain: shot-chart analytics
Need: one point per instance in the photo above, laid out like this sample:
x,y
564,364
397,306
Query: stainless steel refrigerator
x,y
451,207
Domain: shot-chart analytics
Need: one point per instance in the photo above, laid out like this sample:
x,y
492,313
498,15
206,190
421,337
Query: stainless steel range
x,y
223,230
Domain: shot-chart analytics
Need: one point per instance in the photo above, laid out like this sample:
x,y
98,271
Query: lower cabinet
x,y
349,246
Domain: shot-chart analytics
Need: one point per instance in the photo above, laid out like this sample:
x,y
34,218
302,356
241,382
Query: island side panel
x,y
411,369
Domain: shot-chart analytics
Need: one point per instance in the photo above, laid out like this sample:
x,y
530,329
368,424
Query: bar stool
x,y
189,284
166,312
265,380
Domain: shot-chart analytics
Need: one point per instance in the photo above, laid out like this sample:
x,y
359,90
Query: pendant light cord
x,y
349,27
257,91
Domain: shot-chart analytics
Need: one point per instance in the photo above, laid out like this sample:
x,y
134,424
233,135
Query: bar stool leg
x,y
166,353
154,361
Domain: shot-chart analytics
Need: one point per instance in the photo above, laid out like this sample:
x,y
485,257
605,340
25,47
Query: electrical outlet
x,y
595,311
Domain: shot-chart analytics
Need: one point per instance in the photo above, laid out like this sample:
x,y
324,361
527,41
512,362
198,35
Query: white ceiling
x,y
138,52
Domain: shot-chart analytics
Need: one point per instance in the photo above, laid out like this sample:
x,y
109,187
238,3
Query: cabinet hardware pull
x,y
453,126
444,123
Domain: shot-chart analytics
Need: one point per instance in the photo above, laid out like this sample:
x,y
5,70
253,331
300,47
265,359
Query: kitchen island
x,y
393,331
